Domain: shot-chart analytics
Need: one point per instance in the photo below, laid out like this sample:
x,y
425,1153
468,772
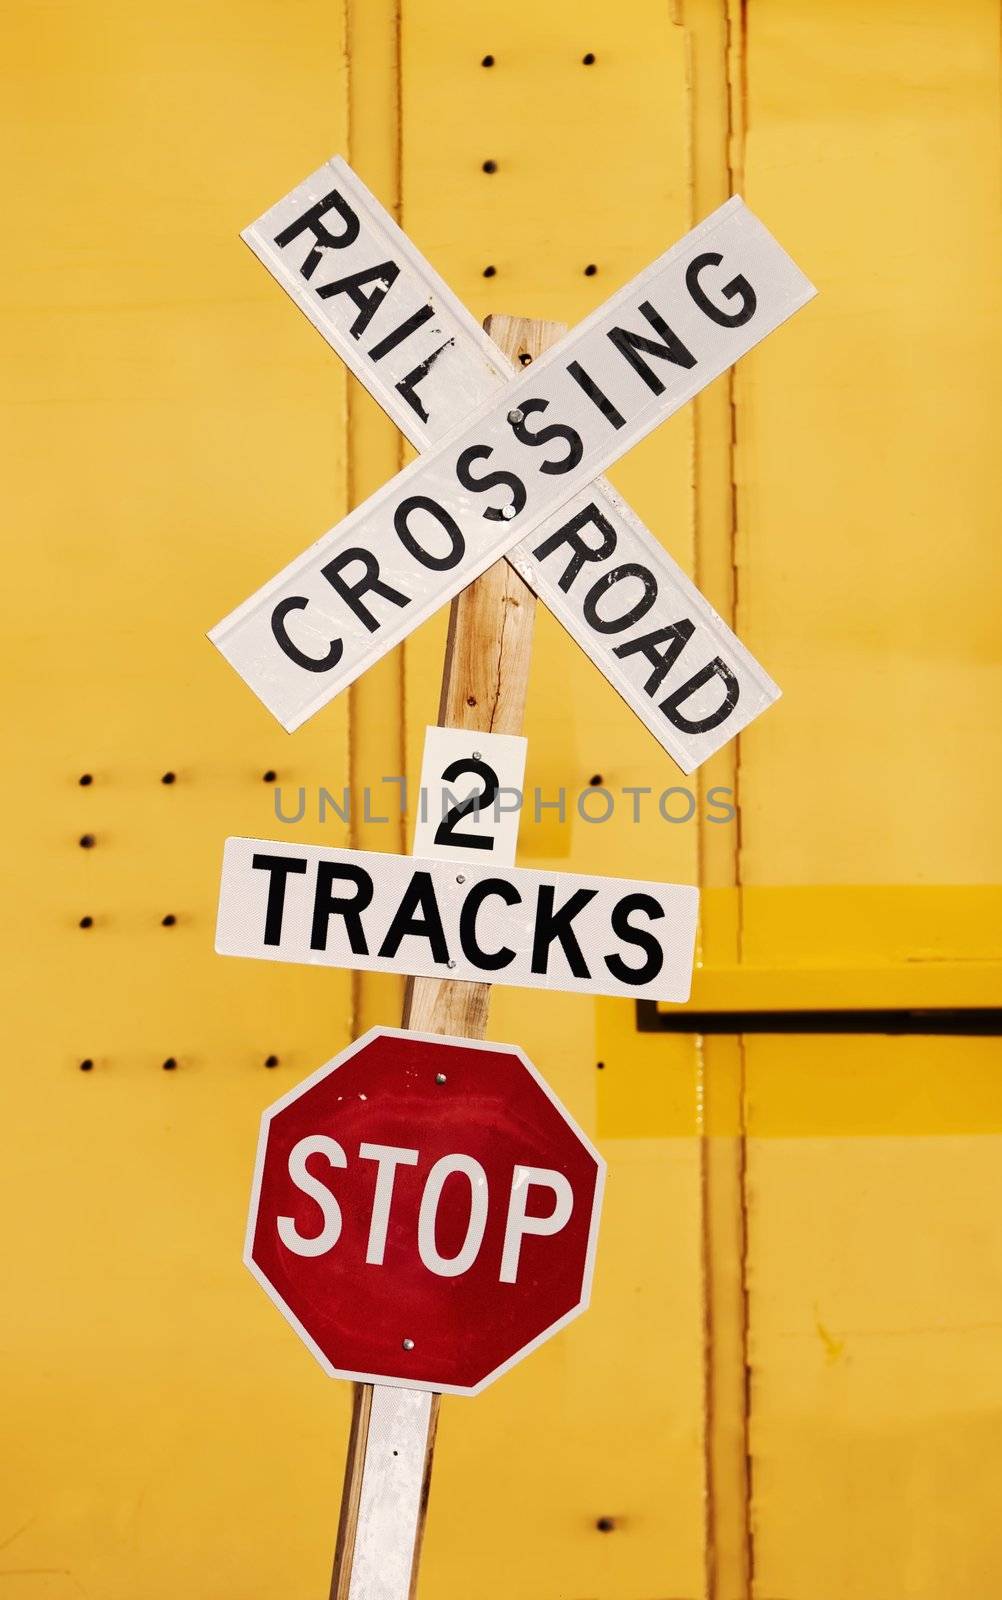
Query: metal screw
x,y
408,1344
476,755
440,1077
452,963
461,878
508,512
516,416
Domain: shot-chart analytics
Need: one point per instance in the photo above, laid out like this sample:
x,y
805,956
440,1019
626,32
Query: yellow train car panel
x,y
787,1381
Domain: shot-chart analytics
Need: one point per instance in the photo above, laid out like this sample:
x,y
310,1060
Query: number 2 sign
x,y
471,794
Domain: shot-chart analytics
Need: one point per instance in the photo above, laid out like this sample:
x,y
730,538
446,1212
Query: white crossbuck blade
x,y
510,464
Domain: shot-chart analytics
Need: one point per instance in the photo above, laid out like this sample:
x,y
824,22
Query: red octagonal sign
x,y
424,1211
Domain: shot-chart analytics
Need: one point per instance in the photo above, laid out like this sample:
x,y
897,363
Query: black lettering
x,y
671,347
407,386
595,394
310,663
648,595
738,289
715,668
325,906
418,896
552,925
675,637
312,221
553,430
490,480
398,335
384,276
279,867
582,551
623,929
368,583
447,832
487,961
401,522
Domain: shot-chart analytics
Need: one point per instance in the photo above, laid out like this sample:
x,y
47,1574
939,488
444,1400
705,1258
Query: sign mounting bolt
x,y
508,512
408,1344
440,1077
516,416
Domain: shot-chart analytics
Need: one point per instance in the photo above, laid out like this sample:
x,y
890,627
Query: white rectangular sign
x,y
440,919
510,464
470,797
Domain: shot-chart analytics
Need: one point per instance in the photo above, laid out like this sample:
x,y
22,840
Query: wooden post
x,y
390,1449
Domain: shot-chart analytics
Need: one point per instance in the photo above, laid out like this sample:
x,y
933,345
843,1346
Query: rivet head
x,y
516,416
440,1077
408,1344
460,877
476,755
452,963
508,512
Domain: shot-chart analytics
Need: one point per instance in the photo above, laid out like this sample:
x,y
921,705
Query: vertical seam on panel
x,y
355,978
735,129
399,209
709,1410
737,116
745,1308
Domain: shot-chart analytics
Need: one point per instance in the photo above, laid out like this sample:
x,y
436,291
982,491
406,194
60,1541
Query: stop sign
x,y
424,1211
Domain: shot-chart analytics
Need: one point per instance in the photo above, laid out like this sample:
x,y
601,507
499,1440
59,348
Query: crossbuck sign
x,y
511,464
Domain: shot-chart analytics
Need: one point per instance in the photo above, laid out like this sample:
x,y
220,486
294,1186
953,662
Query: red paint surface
x,y
464,1328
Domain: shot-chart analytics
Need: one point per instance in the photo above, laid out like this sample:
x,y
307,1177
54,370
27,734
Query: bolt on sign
x,y
511,463
424,1211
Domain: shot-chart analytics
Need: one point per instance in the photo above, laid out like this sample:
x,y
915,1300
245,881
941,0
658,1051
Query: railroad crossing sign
x,y
424,1211
510,464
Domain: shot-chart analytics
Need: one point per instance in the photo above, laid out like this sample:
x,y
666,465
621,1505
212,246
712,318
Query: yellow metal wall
x,y
789,1383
